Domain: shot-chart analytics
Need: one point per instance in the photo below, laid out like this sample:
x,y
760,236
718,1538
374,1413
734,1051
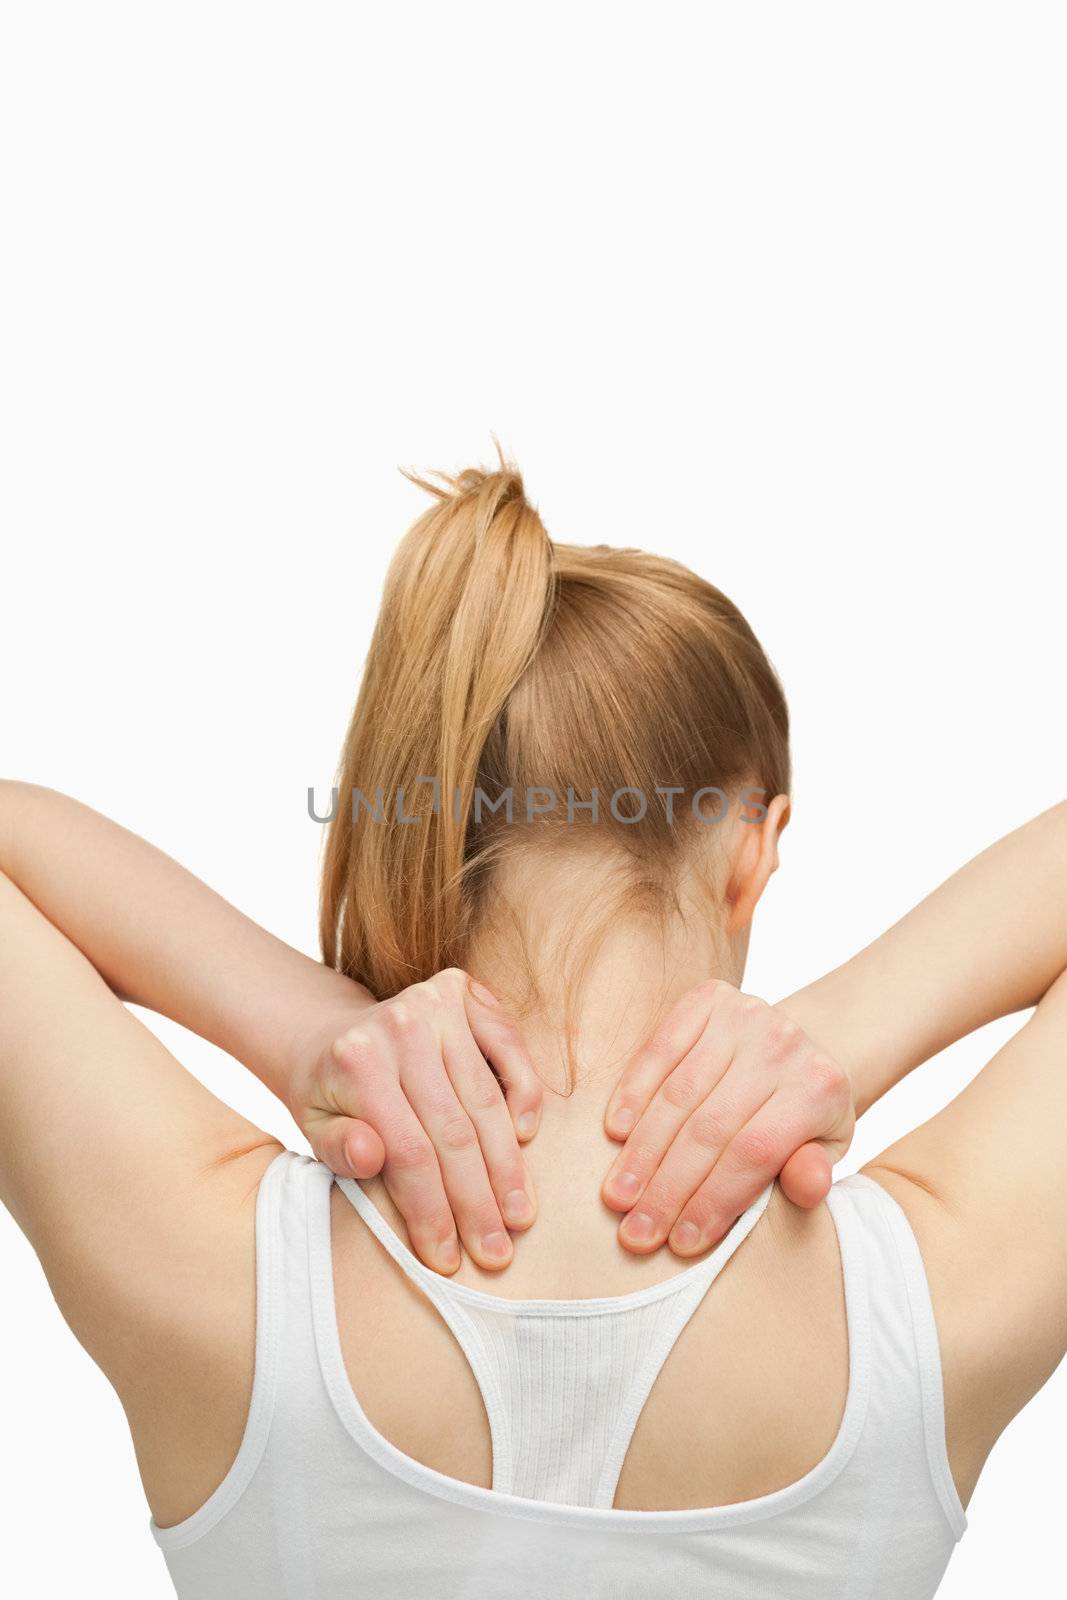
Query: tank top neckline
x,y
427,1480
441,1287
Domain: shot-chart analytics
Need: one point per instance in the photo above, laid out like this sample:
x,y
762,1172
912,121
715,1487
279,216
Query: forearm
x,y
990,941
161,938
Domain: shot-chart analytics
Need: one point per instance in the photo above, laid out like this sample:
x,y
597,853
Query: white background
x,y
777,290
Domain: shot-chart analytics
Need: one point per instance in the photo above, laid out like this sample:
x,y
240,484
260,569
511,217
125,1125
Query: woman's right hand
x,y
435,1090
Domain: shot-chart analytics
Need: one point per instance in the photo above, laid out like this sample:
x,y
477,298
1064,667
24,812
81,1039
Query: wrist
x,y
826,1020
323,1005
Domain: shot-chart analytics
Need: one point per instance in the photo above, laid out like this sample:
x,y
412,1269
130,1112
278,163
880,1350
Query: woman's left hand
x,y
727,1095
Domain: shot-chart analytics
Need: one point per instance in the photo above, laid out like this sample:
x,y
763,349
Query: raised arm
x,y
982,1184
788,1080
989,942
404,1083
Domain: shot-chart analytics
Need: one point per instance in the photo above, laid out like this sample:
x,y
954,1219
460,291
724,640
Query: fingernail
x,y
626,1185
639,1227
685,1236
497,1245
448,1255
517,1207
480,992
623,1120
526,1126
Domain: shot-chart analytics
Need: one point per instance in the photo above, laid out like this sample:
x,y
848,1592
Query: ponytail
x,y
467,601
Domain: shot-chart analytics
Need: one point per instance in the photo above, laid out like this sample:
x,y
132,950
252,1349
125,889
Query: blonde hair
x,y
502,661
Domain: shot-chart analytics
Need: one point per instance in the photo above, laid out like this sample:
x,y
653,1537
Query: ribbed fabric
x,y
563,1382
318,1505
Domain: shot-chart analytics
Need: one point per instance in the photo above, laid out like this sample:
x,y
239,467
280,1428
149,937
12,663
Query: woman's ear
x,y
755,858
781,811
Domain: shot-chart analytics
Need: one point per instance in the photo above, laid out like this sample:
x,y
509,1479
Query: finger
x,y
412,1177
688,1086
348,1146
807,1176
410,1169
673,1038
751,1160
444,1123
694,1154
502,1044
480,1095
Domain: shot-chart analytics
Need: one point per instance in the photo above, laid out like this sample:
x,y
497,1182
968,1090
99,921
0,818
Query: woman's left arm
x,y
732,1092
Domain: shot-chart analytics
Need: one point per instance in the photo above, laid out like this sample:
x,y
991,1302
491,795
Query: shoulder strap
x,y
901,1269
270,1273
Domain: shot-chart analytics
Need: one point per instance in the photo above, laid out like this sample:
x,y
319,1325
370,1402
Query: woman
x,y
327,1394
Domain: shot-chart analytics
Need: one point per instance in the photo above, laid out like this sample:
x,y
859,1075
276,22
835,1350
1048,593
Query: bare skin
x,y
776,1310
156,1274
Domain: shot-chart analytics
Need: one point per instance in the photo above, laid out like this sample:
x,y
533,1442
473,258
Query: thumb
x,y
806,1177
349,1148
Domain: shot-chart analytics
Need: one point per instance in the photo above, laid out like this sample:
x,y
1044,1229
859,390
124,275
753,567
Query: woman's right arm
x,y
404,1083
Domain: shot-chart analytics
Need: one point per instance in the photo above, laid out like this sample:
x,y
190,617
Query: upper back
x,y
793,1422
777,1302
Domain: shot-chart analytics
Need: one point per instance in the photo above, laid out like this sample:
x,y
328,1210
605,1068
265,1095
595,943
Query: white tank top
x,y
320,1506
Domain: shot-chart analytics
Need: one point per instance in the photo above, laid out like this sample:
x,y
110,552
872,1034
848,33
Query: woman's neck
x,y
585,1011
588,972
634,976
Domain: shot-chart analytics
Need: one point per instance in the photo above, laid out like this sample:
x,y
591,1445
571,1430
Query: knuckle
x,y
457,1132
442,986
485,1093
400,1020
665,1040
439,1103
718,989
503,1029
642,1157
707,1128
681,1090
708,990
355,1048
779,1035
410,1153
756,1147
829,1079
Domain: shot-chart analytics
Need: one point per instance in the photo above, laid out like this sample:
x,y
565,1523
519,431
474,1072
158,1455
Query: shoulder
x,y
988,1372
181,1355
981,1185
